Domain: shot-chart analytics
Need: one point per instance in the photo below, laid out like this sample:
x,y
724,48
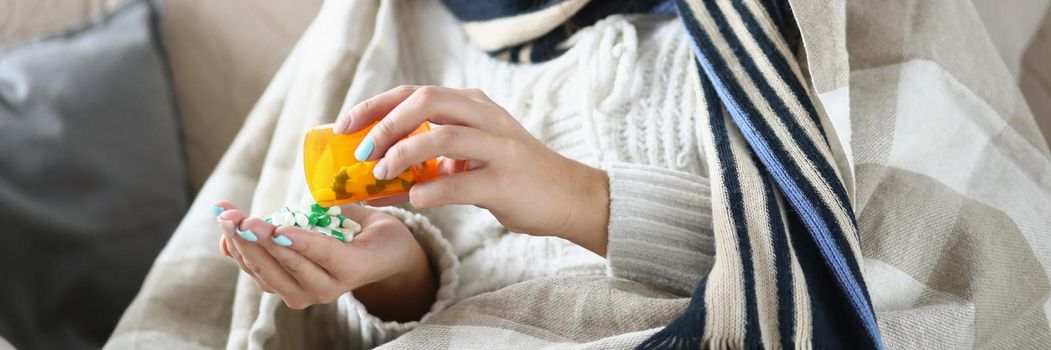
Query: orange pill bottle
x,y
335,176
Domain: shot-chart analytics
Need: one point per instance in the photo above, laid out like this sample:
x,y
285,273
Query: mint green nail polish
x,y
248,235
281,241
216,210
364,149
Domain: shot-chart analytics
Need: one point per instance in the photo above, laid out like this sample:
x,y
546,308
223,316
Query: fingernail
x,y
364,149
216,210
380,171
248,235
281,241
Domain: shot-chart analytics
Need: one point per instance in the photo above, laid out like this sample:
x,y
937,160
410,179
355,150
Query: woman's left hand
x,y
383,266
495,163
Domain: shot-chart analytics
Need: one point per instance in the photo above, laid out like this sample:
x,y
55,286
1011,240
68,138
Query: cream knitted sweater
x,y
617,99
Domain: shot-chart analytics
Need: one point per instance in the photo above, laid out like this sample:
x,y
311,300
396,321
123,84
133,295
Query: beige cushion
x,y
222,55
25,19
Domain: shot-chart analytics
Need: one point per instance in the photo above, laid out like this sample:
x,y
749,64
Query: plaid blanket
x,y
949,178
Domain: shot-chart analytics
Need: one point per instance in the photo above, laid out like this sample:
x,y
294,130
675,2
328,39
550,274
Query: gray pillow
x,y
92,177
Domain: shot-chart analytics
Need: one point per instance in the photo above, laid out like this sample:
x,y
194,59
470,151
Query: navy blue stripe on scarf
x,y
732,186
783,263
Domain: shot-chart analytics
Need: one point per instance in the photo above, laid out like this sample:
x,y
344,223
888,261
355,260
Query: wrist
x,y
405,295
588,226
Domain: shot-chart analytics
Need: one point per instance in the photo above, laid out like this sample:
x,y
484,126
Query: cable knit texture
x,y
615,100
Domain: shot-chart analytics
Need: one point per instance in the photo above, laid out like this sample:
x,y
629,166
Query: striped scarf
x,y
785,276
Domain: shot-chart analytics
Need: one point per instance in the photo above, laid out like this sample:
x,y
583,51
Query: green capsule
x,y
318,209
324,221
268,220
313,218
339,236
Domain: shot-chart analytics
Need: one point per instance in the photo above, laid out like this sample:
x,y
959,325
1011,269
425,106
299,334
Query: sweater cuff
x,y
660,226
441,257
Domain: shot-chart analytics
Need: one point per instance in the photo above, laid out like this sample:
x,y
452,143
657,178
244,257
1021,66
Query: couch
x,y
221,56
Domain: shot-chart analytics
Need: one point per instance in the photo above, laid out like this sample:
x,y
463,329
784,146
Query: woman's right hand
x,y
496,163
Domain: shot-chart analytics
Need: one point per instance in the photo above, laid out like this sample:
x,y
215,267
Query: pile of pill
x,y
327,221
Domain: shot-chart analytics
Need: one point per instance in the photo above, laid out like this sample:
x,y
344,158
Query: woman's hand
x,y
384,266
495,163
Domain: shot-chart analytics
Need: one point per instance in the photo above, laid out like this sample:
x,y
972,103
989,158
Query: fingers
x,y
451,141
266,256
301,266
321,251
259,262
228,221
239,260
372,109
222,206
472,187
284,243
438,105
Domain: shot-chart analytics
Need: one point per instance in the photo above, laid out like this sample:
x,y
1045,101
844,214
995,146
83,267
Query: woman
x,y
952,213
618,171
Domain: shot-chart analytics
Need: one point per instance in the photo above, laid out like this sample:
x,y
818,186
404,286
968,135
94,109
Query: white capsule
x,y
334,211
333,223
301,220
323,230
351,225
287,219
